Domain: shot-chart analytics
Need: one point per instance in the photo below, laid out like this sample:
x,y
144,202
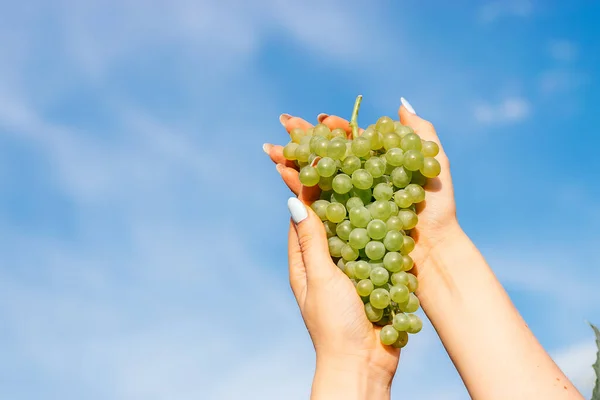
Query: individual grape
x,y
326,167
289,151
305,140
394,210
360,217
402,340
393,241
377,229
348,253
354,202
322,130
358,238
351,164
409,219
393,261
418,178
338,133
403,130
375,250
399,294
431,167
413,283
401,321
320,147
362,269
365,195
320,208
379,298
380,210
415,324
342,184
416,192
364,287
330,228
385,125
341,265
362,179
402,198
413,160
411,141
388,335
394,223
394,157
401,177
336,149
361,146
335,246
391,141
349,270
314,140
302,152
379,276
430,149
326,184
336,212
408,245
297,134
339,198
343,230
373,314
383,191
399,278
407,263
411,305
377,141
374,166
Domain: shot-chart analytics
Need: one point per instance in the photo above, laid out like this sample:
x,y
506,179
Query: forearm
x,y
490,344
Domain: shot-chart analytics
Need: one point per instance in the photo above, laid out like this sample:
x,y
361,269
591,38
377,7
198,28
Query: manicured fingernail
x,y
267,147
297,210
321,117
280,168
283,118
407,105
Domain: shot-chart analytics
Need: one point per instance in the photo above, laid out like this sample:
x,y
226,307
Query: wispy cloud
x,y
576,362
492,11
509,110
563,50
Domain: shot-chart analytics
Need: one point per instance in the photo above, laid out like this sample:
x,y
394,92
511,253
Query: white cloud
x,y
563,50
509,110
562,81
492,11
576,362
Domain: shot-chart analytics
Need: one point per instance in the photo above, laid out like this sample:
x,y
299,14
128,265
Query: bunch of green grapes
x,y
370,184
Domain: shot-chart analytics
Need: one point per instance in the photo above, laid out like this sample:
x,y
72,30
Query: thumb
x,y
312,240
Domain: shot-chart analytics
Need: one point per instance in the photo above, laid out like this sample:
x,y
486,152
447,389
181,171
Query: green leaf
x,y
596,366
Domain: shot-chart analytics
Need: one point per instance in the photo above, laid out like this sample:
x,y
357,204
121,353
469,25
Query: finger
x,y
275,152
422,127
312,240
297,272
289,122
290,176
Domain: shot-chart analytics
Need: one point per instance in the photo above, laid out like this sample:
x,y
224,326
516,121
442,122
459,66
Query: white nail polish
x,y
407,105
297,210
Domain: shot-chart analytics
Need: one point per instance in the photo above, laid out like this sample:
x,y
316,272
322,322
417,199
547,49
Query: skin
x,y
495,353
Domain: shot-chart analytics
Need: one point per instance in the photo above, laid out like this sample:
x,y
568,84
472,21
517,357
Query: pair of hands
x,y
333,313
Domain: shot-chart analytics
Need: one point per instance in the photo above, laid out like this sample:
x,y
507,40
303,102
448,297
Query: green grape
x,y
320,148
411,305
326,167
399,278
394,223
351,164
376,264
431,167
415,324
392,261
330,228
391,141
409,219
322,130
361,146
379,298
358,238
402,340
416,192
413,160
336,149
364,287
320,208
338,133
343,230
402,199
305,140
375,250
354,202
348,253
394,157
362,269
418,178
385,125
297,134
376,167
407,262
394,210
364,195
401,177
411,141
403,130
342,184
325,195
399,294
377,141
349,270
383,191
289,151
341,265
360,217
388,335
380,210
408,245
336,212
401,321
377,229
389,168
361,179
335,246
369,134
339,198
326,183
314,140
302,152
379,276
430,149
385,320
413,283
393,241
373,314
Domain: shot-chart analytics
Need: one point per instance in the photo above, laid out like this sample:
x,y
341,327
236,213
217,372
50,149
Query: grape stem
x,y
392,312
354,119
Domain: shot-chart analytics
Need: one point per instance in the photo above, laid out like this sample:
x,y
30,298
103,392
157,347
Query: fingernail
x,y
267,147
283,118
407,105
297,210
280,168
321,117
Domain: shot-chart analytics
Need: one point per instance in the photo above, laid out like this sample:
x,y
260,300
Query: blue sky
x,y
143,230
